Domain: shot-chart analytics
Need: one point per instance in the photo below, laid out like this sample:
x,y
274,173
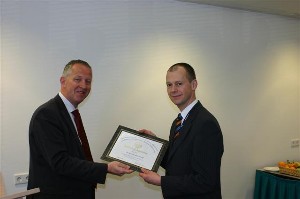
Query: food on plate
x,y
289,164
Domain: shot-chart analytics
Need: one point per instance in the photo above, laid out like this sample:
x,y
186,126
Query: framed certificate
x,y
138,150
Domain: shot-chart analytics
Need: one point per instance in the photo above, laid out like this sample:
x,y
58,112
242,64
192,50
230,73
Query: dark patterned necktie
x,y
178,126
82,135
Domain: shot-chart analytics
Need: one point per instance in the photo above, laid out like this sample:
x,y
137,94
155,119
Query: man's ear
x,y
194,84
62,80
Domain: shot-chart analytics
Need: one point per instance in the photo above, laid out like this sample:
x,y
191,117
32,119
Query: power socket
x,y
295,143
21,178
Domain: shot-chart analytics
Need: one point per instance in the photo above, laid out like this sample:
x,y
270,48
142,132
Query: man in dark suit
x,y
193,159
59,165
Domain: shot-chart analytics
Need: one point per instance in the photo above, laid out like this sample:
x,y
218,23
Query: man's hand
x,y
150,177
147,132
118,168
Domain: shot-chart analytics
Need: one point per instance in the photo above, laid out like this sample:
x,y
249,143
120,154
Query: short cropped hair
x,y
71,63
188,68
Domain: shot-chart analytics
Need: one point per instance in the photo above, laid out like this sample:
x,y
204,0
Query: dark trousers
x,y
86,195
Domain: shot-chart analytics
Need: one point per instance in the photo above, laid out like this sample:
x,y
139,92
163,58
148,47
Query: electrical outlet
x,y
21,178
295,143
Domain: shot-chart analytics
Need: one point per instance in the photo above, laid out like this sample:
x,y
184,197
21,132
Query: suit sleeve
x,y
207,150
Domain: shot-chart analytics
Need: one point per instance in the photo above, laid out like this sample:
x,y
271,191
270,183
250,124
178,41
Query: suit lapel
x,y
68,121
184,131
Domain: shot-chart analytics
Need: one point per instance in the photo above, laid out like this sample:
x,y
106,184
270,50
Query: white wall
x,y
247,66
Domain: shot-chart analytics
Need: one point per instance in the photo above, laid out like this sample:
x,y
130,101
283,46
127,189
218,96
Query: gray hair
x,y
69,66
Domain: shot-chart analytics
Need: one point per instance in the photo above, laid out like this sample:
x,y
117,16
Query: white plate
x,y
271,168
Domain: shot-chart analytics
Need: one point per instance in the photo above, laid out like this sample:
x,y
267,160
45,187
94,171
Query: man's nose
x,y
83,84
173,88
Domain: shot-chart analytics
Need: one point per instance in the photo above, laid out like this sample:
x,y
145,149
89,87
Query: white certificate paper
x,y
136,150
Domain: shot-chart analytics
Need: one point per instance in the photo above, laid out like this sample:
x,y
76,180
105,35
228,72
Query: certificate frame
x,y
117,143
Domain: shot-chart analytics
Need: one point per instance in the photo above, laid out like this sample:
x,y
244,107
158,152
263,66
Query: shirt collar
x,y
67,103
186,111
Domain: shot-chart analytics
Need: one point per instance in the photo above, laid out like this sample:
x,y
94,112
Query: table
x,y
273,185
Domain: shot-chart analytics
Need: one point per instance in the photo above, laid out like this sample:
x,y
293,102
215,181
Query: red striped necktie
x,y
82,135
178,126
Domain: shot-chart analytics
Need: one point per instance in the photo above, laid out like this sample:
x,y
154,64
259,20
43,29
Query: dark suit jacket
x,y
57,162
192,162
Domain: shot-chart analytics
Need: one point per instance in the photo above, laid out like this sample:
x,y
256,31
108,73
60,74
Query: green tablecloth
x,y
268,186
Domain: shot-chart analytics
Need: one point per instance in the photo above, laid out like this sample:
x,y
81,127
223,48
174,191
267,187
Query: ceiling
x,y
288,8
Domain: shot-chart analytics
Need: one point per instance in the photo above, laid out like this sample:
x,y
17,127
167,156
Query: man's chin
x,y
176,102
80,99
